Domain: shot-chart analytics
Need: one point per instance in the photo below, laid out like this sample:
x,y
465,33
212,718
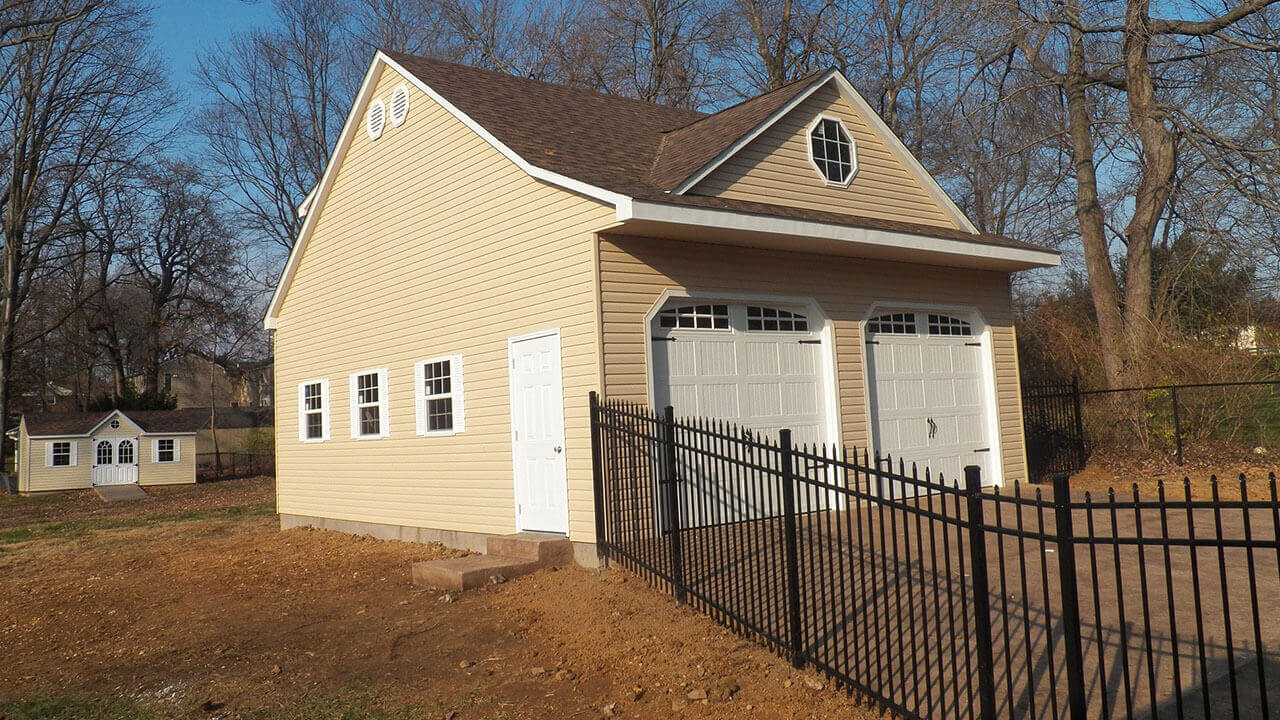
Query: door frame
x,y
511,414
991,413
831,379
115,442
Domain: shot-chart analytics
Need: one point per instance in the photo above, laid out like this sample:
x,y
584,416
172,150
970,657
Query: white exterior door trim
x,y
512,342
831,389
991,413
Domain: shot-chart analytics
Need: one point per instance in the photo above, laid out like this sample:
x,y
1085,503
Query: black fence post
x,y
672,501
597,481
1070,596
981,593
1078,405
1177,423
795,638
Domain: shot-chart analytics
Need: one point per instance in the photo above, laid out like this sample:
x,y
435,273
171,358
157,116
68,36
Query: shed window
x,y
832,151
439,396
767,318
369,404
893,323
313,411
60,454
707,317
164,451
124,454
947,325
105,453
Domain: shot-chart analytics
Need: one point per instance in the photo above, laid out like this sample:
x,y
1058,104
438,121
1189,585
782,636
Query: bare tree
x,y
81,95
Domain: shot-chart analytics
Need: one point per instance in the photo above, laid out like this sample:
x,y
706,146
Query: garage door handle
x,y
985,449
810,342
663,339
558,448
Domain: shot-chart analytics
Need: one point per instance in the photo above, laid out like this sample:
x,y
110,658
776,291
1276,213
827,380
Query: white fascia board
x,y
321,191
755,132
745,222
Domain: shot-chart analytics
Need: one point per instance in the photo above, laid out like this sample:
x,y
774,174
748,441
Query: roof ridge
x,y
581,90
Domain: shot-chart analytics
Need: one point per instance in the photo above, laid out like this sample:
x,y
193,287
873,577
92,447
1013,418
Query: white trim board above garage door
x,y
762,362
931,396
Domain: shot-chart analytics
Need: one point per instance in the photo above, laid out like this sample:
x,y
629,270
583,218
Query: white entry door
x,y
537,433
927,395
115,461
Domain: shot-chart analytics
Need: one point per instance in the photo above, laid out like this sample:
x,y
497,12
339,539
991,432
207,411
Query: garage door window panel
x,y
771,319
701,317
893,324
947,325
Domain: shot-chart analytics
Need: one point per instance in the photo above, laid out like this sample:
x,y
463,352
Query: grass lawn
x,y
192,604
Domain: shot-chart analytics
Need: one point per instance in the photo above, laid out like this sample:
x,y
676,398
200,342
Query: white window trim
x,y
48,453
456,394
324,410
384,414
155,451
853,152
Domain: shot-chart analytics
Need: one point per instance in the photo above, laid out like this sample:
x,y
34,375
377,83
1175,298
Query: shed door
x,y
927,396
115,460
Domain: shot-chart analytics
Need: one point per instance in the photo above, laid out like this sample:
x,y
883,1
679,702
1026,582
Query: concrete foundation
x,y
584,554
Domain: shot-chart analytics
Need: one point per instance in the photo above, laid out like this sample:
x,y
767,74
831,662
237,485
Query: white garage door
x,y
927,394
758,366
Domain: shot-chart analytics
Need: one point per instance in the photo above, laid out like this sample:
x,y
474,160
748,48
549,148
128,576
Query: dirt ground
x,y
1122,472
192,604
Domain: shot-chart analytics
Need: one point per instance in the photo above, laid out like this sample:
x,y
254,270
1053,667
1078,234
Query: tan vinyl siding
x,y
775,168
36,476
181,471
431,243
634,272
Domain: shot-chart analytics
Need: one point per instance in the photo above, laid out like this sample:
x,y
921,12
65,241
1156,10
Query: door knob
x,y
557,448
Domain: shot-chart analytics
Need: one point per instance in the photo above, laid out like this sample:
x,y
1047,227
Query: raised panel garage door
x,y
927,396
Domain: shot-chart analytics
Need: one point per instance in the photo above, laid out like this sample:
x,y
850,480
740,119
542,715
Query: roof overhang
x,y
728,227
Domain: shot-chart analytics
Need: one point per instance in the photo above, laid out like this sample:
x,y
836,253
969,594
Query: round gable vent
x,y
376,119
399,105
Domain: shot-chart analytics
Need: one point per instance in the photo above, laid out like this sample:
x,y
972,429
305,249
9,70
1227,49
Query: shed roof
x,y
83,423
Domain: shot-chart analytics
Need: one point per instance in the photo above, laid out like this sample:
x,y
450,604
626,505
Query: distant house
x,y
73,450
485,250
199,383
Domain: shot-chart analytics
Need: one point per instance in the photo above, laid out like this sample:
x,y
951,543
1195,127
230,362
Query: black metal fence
x,y
1063,424
230,465
939,599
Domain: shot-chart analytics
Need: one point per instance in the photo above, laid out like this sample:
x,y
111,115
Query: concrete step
x,y
545,549
116,493
465,573
506,555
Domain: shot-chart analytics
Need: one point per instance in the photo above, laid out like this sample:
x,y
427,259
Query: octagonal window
x,y
832,151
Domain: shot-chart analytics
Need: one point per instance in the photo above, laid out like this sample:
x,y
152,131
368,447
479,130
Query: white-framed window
x,y
948,325
369,410
438,395
105,452
124,453
705,317
832,152
166,450
764,318
893,324
60,453
313,410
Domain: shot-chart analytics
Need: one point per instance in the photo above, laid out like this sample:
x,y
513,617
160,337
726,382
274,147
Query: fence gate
x,y
1053,428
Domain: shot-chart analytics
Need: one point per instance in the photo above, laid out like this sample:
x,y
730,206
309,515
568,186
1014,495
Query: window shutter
x,y
302,412
324,408
419,402
177,449
75,444
48,454
354,400
459,411
155,450
384,404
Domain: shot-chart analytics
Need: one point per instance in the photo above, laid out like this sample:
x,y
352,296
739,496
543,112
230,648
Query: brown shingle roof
x,y
628,146
81,423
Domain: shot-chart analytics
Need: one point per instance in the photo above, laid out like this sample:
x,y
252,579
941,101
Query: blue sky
x,y
185,28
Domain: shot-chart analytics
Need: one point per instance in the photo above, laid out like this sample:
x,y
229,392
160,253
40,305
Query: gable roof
x,y
622,151
83,423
